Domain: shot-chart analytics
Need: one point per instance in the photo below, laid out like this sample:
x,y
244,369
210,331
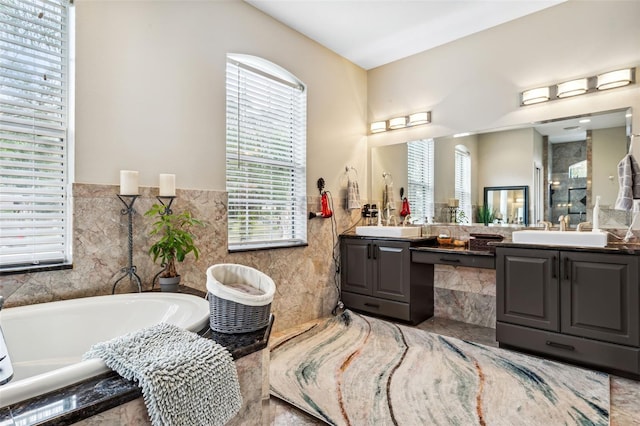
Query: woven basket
x,y
480,242
233,310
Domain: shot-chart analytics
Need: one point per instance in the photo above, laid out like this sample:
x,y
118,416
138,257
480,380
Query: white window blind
x,y
420,162
265,155
34,59
463,180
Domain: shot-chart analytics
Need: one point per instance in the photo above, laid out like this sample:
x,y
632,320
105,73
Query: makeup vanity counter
x,y
394,277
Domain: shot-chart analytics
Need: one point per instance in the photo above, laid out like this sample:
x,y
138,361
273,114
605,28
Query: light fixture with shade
x,y
397,122
534,96
418,118
378,126
411,120
579,86
572,88
613,79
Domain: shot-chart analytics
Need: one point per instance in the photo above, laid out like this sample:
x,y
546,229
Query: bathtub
x,y
46,341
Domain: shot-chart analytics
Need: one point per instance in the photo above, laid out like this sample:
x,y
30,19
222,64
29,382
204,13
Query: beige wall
x,y
151,91
472,84
151,97
505,158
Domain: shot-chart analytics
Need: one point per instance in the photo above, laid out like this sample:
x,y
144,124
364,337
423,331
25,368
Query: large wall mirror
x,y
565,163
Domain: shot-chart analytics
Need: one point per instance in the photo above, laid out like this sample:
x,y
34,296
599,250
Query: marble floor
x,y
625,393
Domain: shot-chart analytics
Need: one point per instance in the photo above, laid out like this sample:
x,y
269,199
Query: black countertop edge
x,y
453,250
429,240
612,248
100,393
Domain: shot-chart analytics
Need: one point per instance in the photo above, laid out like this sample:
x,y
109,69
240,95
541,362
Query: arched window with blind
x,y
463,181
420,171
265,155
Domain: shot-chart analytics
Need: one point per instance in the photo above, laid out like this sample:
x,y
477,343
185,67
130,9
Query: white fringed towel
x,y
185,379
353,195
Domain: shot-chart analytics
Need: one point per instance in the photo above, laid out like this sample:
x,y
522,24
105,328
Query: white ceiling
x,y
371,33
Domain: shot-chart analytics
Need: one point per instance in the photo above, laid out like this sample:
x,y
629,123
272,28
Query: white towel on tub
x,y
185,379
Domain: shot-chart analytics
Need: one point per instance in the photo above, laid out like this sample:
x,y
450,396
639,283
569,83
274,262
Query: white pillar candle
x,y
128,182
167,185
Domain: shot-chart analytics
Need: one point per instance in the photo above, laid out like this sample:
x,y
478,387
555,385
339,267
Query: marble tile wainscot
x,y
464,283
111,399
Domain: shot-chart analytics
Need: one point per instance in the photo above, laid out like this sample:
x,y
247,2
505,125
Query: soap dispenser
x,y
596,216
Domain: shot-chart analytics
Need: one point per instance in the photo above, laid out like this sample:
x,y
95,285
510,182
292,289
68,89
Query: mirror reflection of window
x,y
463,182
578,170
420,182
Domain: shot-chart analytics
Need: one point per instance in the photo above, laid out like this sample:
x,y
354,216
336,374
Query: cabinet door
x,y
356,257
392,262
599,294
527,287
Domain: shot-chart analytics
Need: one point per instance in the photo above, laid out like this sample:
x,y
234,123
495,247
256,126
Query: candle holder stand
x,y
167,207
129,271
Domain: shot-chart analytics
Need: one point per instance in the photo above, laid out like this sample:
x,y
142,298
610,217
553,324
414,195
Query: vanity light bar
x,y
411,120
580,86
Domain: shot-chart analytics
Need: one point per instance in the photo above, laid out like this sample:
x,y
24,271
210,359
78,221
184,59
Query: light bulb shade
x,y
378,126
612,79
419,118
535,96
572,88
397,122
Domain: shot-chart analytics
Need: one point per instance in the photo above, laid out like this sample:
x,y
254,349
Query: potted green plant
x,y
175,243
485,215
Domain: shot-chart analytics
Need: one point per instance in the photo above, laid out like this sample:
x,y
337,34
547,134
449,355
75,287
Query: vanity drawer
x,y
453,259
584,351
377,306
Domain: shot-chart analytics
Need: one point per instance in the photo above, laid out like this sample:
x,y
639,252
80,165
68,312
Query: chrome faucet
x,y
407,220
6,369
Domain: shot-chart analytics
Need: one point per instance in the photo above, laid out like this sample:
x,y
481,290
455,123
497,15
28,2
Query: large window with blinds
x,y
420,166
265,155
463,182
35,224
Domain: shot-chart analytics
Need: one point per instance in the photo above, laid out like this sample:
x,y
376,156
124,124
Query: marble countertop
x,y
100,393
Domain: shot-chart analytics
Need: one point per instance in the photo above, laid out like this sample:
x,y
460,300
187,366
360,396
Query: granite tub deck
x,y
109,397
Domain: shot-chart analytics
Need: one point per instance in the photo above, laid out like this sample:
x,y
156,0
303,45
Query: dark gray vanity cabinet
x,y
377,277
576,305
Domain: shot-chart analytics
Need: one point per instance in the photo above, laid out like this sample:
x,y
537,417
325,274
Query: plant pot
x,y
169,284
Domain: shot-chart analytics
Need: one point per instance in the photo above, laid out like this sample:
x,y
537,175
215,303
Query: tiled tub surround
x,y
111,399
303,275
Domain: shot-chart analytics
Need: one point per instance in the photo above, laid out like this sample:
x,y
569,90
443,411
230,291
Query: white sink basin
x,y
389,231
561,238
